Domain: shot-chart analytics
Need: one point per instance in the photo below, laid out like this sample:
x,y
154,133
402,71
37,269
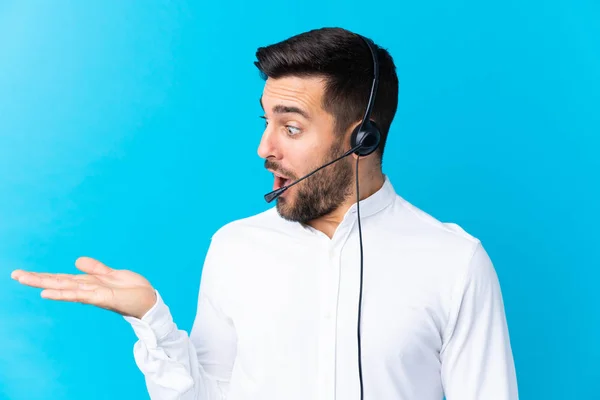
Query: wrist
x,y
147,302
156,324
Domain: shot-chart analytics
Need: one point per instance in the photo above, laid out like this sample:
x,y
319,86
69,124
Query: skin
x,y
293,145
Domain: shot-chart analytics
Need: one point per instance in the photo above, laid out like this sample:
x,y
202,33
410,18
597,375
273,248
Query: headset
x,y
364,140
366,137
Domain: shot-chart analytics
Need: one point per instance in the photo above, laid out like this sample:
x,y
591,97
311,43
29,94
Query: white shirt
x,y
277,314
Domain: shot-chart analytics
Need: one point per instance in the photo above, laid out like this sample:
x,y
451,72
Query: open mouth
x,y
280,181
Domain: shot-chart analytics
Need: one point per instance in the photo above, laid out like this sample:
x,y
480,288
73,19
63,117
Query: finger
x,y
75,277
92,266
18,273
74,295
48,281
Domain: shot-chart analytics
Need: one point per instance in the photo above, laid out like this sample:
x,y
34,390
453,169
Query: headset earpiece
x,y
368,136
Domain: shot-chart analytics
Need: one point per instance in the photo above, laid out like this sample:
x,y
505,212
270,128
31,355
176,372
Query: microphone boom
x,y
269,197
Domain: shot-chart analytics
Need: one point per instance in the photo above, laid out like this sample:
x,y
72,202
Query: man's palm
x,y
121,291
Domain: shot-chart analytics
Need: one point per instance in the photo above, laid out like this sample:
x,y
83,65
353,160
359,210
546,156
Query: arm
x,y
175,366
178,366
477,360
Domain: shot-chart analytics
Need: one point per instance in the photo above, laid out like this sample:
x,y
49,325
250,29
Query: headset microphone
x,y
269,197
364,140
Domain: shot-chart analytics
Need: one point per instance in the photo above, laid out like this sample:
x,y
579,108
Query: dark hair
x,y
344,59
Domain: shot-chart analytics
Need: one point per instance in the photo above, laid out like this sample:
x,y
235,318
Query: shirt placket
x,y
329,289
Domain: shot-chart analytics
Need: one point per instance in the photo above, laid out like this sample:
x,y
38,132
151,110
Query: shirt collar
x,y
373,204
377,201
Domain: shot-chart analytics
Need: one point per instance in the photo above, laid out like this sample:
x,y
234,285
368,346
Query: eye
x,y
292,130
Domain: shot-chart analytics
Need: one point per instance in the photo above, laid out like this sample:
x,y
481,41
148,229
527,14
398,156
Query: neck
x,y
369,183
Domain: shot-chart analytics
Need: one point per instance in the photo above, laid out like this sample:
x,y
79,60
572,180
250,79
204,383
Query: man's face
x,y
298,138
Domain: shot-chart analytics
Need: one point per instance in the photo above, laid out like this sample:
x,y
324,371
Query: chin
x,y
285,208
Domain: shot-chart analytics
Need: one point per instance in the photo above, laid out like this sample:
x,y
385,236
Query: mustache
x,y
269,164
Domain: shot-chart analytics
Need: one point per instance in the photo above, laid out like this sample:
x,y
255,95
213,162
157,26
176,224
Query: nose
x,y
268,147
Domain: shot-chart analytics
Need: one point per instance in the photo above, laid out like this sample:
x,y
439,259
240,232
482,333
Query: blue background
x,y
121,120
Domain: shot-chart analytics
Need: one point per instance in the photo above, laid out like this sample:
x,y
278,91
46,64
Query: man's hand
x,y
121,291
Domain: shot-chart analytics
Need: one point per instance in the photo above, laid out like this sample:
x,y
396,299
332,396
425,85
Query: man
x,y
279,296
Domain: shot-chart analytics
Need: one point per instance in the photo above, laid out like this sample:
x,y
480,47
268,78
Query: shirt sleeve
x,y
181,366
477,360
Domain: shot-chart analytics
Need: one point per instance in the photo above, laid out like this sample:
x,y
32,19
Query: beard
x,y
321,193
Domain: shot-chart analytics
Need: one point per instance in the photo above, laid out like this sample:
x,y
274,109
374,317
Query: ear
x,y
348,137
348,133
368,136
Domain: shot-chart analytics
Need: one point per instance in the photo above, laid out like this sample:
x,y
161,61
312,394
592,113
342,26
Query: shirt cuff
x,y
156,324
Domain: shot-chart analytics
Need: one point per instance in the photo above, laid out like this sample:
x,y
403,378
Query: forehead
x,y
304,92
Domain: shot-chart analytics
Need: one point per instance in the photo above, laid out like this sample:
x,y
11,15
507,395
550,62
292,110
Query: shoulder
x,y
451,255
426,231
251,226
245,234
462,256
232,244
442,249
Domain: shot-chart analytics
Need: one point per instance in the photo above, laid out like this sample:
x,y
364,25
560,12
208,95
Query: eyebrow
x,y
281,109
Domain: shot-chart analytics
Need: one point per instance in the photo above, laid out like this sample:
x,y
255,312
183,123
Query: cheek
x,y
305,154
302,159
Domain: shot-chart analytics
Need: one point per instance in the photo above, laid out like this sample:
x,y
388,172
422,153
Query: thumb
x,y
92,266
